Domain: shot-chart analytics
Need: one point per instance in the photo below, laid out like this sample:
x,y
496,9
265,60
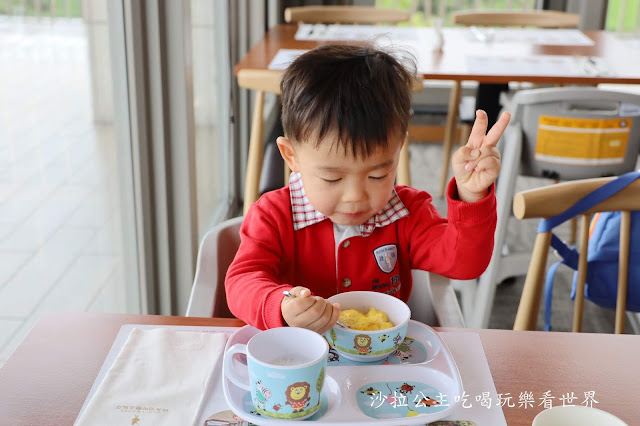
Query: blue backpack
x,y
604,247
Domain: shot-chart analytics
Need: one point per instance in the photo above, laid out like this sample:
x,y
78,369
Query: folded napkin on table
x,y
160,378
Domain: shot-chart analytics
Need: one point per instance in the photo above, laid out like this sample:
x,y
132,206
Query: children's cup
x,y
286,367
576,415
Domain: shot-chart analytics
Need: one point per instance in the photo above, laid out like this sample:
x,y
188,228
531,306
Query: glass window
x,y
67,235
211,110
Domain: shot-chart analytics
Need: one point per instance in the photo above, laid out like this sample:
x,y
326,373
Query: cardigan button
x,y
346,282
346,244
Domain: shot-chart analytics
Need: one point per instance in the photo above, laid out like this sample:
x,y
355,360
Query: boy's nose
x,y
354,192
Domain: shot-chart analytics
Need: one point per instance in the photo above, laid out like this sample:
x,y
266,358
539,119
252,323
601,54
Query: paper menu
x,y
284,57
537,36
538,65
335,32
548,37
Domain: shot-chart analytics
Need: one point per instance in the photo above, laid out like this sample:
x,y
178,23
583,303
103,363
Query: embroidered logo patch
x,y
386,257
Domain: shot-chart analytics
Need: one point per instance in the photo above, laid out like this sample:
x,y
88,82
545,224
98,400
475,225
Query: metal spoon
x,y
286,293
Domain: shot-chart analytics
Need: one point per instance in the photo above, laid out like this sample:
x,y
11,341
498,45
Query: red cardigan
x,y
273,257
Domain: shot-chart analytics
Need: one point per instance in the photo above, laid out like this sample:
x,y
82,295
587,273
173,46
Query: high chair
x,y
556,116
551,200
432,301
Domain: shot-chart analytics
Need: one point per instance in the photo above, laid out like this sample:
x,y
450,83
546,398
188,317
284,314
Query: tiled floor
x,y
60,224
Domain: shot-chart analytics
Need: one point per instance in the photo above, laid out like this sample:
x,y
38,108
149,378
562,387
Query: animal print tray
x,y
418,383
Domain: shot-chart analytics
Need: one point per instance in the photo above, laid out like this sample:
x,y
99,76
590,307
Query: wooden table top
x,y
50,374
622,64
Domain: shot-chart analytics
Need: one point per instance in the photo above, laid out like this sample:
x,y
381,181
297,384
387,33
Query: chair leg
x,y
254,157
529,306
623,268
403,177
449,136
573,223
465,132
578,303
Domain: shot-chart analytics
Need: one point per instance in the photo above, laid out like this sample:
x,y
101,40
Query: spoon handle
x,y
288,294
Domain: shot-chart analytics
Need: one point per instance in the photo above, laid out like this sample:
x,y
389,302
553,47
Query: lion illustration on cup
x,y
297,395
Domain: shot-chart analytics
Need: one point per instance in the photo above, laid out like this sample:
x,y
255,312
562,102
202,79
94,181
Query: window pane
x,y
210,78
64,175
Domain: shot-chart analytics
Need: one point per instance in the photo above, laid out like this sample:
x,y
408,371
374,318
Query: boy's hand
x,y
477,164
307,311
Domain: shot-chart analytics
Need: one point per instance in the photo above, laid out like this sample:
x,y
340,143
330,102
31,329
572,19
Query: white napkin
x,y
160,377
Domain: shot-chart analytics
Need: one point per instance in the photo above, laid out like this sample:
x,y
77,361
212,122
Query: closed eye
x,y
332,180
378,177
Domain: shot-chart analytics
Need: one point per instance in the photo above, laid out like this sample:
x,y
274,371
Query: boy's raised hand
x,y
477,164
307,311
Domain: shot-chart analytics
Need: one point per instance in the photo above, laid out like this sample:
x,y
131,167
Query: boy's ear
x,y
288,153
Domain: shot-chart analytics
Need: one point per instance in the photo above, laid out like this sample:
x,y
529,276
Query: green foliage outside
x,y
631,18
630,21
54,8
418,17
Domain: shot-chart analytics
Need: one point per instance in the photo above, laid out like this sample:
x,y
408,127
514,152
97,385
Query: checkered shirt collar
x,y
304,214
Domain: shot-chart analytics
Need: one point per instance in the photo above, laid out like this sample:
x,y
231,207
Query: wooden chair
x,y
261,81
345,15
551,200
432,301
526,18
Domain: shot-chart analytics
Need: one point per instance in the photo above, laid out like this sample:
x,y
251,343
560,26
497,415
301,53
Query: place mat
x,y
480,407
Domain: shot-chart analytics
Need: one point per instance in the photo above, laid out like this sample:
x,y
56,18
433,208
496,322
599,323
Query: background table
x,y
50,374
449,64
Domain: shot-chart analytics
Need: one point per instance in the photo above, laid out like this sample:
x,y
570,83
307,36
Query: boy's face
x,y
347,190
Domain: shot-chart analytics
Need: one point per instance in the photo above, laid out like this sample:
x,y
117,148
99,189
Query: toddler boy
x,y
341,224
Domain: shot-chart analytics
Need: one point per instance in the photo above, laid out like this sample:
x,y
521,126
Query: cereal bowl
x,y
373,345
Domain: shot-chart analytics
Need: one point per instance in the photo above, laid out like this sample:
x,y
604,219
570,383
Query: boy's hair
x,y
358,93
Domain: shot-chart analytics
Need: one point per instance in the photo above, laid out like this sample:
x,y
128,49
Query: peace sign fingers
x,y
478,130
478,139
497,130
